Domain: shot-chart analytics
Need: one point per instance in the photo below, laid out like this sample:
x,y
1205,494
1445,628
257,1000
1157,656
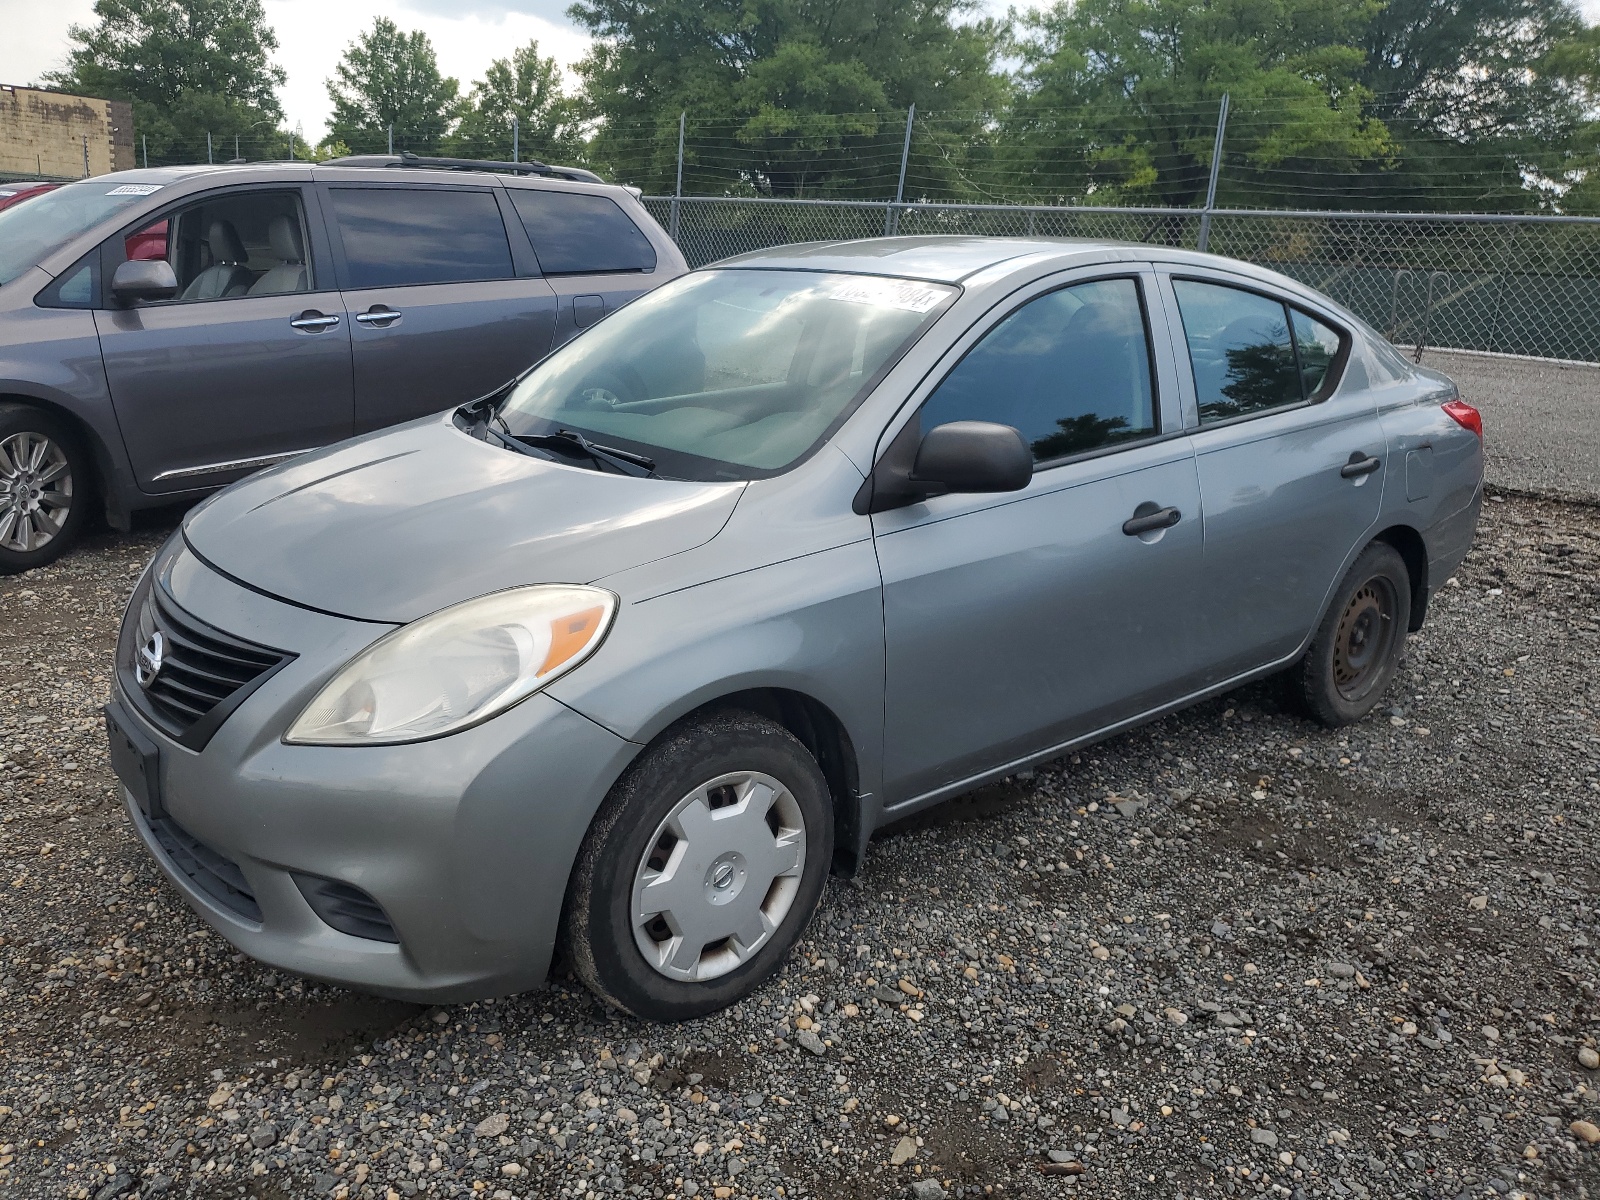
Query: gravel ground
x,y
1541,419
1229,954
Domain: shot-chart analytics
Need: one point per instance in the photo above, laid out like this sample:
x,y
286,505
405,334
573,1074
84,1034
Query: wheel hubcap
x,y
35,491
719,876
1366,632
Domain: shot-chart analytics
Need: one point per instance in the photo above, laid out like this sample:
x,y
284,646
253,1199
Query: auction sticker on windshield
x,y
888,293
135,189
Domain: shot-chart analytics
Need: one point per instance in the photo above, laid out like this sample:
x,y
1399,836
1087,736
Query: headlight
x,y
457,667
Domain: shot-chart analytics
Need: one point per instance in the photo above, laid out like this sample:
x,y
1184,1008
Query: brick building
x,y
50,135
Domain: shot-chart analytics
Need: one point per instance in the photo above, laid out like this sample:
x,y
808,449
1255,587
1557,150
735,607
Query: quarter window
x,y
1070,370
395,237
574,233
1245,358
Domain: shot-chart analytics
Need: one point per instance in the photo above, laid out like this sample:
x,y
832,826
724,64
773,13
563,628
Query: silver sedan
x,y
625,658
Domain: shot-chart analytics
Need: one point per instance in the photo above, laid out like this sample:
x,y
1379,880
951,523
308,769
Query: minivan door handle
x,y
380,316
1162,518
312,321
1361,463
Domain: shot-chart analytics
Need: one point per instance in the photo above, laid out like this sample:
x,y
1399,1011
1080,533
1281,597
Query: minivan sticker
x,y
134,189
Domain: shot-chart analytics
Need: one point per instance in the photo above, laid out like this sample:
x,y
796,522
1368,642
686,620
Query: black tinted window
x,y
1071,370
1239,344
575,234
398,236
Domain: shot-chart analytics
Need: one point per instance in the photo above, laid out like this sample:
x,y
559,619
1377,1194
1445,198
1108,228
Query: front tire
x,y
1357,649
701,869
44,491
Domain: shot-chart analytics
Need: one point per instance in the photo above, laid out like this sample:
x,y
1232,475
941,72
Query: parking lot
x,y
1232,953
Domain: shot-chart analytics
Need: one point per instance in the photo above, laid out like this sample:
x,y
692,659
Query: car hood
x,y
395,525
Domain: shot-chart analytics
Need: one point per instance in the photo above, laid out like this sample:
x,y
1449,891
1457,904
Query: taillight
x,y
1464,415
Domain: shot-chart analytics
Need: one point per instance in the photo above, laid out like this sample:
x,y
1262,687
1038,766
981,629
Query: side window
x,y
1070,369
578,234
244,244
1244,361
395,237
1318,347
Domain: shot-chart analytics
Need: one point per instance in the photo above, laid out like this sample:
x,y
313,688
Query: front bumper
x,y
465,843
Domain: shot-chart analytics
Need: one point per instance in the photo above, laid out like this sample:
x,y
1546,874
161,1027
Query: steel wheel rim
x,y
718,877
1365,634
35,491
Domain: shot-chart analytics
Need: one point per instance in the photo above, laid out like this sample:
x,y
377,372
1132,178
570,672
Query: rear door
x,y
589,249
250,363
444,306
1292,466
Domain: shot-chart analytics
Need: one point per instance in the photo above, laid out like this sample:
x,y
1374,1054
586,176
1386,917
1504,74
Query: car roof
x,y
941,258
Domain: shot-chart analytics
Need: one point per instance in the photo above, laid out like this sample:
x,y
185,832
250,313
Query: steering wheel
x,y
605,391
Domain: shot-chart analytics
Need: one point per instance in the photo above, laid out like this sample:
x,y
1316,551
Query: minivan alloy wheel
x,y
35,491
719,876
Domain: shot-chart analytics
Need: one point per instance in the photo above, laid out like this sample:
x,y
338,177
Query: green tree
x,y
527,87
386,79
1119,98
189,67
795,96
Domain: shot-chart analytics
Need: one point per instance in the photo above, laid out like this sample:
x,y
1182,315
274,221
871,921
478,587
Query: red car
x,y
16,193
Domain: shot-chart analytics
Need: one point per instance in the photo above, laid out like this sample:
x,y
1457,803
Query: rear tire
x,y
44,488
1358,647
701,869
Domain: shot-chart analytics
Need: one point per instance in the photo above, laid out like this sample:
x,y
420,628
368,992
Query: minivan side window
x,y
396,237
1245,359
1070,370
250,243
574,233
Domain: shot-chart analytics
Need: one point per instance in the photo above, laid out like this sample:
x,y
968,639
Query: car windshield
x,y
30,231
731,374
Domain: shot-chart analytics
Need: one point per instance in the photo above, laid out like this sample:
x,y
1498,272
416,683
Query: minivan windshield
x,y
30,231
730,374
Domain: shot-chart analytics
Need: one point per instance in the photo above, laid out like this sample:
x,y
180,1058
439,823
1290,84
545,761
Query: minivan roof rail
x,y
407,159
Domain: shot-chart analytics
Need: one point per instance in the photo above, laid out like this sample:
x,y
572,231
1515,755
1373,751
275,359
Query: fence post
x,y
516,147
144,141
391,139
677,194
86,156
1216,167
891,219
208,147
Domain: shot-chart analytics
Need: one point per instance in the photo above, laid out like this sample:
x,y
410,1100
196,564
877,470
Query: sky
x,y
312,34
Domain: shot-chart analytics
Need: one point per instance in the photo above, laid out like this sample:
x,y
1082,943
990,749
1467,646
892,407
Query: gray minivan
x,y
166,332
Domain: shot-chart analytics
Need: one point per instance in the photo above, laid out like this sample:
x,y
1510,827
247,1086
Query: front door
x,y
1291,468
249,364
442,312
1014,623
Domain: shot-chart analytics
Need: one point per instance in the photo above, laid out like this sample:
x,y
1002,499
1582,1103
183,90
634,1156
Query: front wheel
x,y
701,869
1357,648
43,492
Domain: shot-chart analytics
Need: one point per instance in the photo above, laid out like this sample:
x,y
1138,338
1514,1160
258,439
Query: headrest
x,y
283,233
225,244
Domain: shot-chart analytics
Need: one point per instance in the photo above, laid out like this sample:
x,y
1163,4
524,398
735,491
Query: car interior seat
x,y
283,234
227,275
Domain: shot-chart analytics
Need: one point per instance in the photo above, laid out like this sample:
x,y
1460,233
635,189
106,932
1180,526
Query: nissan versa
x,y
626,656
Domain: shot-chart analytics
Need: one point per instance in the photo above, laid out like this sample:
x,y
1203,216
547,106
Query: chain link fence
x,y
1517,285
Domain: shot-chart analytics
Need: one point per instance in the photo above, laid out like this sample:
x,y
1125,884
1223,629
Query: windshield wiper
x,y
568,440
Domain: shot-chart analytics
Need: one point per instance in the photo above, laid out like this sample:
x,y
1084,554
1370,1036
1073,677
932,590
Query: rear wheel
x,y
43,492
701,869
1357,648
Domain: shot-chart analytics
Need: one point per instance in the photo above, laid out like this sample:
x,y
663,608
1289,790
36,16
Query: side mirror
x,y
144,279
973,456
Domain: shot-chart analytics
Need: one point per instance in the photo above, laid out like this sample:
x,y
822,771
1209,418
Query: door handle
x,y
379,316
1162,518
1360,464
313,321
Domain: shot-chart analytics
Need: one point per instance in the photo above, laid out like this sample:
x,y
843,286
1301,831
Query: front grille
x,y
215,875
346,908
204,675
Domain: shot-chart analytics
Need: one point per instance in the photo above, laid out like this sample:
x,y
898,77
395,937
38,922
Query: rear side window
x,y
1070,370
394,237
1252,353
577,234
